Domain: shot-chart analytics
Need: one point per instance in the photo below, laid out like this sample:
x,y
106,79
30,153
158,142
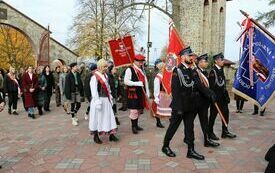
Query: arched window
x,y
206,2
221,10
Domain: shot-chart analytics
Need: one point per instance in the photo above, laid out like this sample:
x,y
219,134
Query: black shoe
x,y
96,139
212,136
9,111
40,112
31,116
0,166
254,113
168,152
227,134
112,137
261,113
159,125
194,155
117,122
134,130
210,143
139,128
15,113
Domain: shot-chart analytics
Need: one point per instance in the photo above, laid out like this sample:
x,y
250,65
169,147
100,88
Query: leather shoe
x,y
160,125
134,130
212,136
96,139
210,143
112,137
228,135
139,128
168,152
194,155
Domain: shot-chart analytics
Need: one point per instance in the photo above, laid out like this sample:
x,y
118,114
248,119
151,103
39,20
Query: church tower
x,y
201,24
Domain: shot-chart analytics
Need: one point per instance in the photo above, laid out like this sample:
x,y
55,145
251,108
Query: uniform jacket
x,y
186,88
217,84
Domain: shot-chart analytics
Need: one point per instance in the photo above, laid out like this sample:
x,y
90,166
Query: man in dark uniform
x,y
204,102
186,86
218,85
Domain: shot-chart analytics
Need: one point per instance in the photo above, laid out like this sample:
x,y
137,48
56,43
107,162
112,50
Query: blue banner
x,y
262,90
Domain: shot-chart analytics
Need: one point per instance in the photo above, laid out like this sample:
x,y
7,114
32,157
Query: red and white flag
x,y
172,60
122,51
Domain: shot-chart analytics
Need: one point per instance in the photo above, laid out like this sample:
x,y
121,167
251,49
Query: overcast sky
x,y
59,15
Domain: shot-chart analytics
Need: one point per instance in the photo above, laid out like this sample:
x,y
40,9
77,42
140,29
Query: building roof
x,y
30,19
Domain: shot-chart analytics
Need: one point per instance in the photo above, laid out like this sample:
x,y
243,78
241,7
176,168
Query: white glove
x,y
156,101
98,104
139,83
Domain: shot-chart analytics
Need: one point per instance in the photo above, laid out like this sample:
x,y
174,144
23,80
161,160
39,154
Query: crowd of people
x,y
194,91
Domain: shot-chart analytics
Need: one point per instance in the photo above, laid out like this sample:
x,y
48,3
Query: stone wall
x,y
33,32
201,24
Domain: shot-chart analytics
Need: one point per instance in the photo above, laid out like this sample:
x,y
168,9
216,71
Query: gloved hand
x,y
139,83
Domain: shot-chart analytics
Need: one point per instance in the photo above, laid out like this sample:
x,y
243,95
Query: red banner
x,y
122,51
174,47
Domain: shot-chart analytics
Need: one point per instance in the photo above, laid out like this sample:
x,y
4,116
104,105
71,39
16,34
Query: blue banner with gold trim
x,y
255,80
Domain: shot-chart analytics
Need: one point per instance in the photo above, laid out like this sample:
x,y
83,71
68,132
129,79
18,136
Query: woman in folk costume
x,y
102,118
137,86
161,104
30,84
11,86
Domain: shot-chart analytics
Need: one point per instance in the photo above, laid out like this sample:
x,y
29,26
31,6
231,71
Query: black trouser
x,y
256,109
203,117
88,108
74,108
175,120
115,109
213,114
57,96
13,97
123,96
47,101
239,104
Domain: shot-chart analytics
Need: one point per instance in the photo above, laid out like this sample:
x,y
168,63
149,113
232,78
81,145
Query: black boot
x,y
227,134
96,138
117,122
112,137
40,112
159,123
138,127
134,126
167,151
212,136
9,111
210,143
193,154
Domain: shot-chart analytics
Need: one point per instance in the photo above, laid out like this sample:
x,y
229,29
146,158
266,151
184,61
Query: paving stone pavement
x,y
50,144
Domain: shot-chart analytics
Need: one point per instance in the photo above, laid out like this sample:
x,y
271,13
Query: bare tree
x,y
98,21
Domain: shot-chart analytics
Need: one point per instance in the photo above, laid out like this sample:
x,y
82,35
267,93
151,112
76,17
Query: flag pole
x,y
221,115
258,25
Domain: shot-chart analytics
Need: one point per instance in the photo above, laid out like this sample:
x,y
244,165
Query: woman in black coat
x,y
49,89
